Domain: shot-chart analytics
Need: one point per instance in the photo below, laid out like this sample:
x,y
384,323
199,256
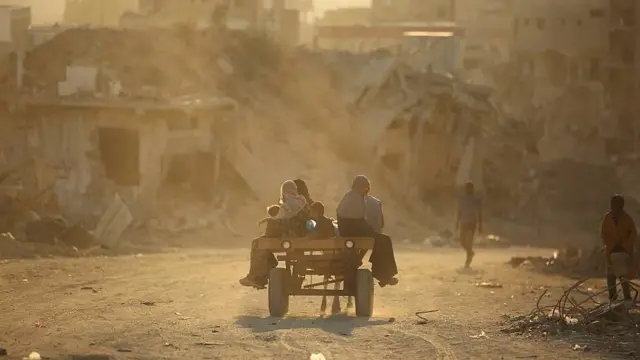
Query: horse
x,y
335,306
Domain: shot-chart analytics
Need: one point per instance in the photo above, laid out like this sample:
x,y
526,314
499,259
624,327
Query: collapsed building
x,y
520,130
423,126
98,141
533,138
112,131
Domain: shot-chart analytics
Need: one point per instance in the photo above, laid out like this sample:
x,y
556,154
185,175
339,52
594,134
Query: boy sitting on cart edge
x,y
273,228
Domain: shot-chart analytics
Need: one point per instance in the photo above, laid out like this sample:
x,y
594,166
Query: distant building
x,y
42,11
623,67
97,12
390,11
425,45
346,17
490,34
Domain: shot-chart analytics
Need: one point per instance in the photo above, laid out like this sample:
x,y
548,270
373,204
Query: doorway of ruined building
x,y
188,175
202,176
120,155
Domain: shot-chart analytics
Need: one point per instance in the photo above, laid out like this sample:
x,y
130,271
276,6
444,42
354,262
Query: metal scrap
x,y
578,308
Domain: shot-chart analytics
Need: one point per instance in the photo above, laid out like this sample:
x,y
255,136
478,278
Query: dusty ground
x,y
188,304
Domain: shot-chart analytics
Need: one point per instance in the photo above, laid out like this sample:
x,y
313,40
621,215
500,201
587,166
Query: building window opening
x,y
120,155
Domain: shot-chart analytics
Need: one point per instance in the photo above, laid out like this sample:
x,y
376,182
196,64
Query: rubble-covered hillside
x,y
290,123
535,148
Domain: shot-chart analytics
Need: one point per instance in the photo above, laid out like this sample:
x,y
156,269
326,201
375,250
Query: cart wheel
x,y
364,293
278,292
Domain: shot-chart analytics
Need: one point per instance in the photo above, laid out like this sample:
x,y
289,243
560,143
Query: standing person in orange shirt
x,y
618,233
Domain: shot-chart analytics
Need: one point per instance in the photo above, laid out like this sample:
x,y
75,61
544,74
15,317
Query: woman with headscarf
x,y
351,214
292,217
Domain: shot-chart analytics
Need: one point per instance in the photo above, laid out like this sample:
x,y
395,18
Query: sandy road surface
x,y
195,309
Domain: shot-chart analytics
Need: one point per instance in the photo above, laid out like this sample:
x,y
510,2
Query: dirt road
x,y
188,304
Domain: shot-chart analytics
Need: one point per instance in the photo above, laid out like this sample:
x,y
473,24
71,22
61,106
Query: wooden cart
x,y
338,259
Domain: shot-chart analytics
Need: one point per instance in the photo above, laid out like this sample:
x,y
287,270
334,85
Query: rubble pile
x,y
290,121
421,125
585,313
535,146
570,260
417,133
559,160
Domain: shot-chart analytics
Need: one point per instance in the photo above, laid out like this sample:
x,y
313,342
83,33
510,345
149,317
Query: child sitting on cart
x,y
273,227
325,229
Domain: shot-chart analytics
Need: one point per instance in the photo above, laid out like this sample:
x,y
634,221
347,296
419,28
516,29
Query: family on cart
x,y
358,215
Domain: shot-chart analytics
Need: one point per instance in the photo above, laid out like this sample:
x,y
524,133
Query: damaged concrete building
x,y
575,30
624,71
490,36
94,144
90,155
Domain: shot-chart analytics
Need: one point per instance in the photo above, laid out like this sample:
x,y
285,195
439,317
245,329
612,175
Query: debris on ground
x,y
420,314
489,285
577,347
482,335
571,260
448,239
581,310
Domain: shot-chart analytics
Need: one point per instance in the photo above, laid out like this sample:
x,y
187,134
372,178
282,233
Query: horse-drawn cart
x,y
333,260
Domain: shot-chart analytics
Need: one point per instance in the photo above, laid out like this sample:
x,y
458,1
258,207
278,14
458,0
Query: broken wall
x,y
68,142
14,157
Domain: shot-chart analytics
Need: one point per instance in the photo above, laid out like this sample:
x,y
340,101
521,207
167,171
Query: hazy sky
x,y
47,11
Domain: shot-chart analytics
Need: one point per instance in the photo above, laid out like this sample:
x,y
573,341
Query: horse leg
x,y
335,307
323,306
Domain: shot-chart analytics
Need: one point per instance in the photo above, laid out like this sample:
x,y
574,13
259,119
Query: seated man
x,y
324,225
352,221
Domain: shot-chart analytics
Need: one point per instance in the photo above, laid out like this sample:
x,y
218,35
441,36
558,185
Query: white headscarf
x,y
353,203
290,201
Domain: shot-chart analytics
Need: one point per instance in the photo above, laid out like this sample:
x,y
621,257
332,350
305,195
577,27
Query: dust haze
x,y
142,141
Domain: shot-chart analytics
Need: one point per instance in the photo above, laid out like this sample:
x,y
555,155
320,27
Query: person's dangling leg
x,y
260,264
383,261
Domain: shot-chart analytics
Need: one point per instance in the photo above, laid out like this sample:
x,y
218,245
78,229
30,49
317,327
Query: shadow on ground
x,y
336,324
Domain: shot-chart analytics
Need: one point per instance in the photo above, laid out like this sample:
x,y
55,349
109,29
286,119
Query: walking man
x,y
468,220
618,233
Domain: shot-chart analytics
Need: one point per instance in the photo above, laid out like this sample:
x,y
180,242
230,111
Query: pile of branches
x,y
579,309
